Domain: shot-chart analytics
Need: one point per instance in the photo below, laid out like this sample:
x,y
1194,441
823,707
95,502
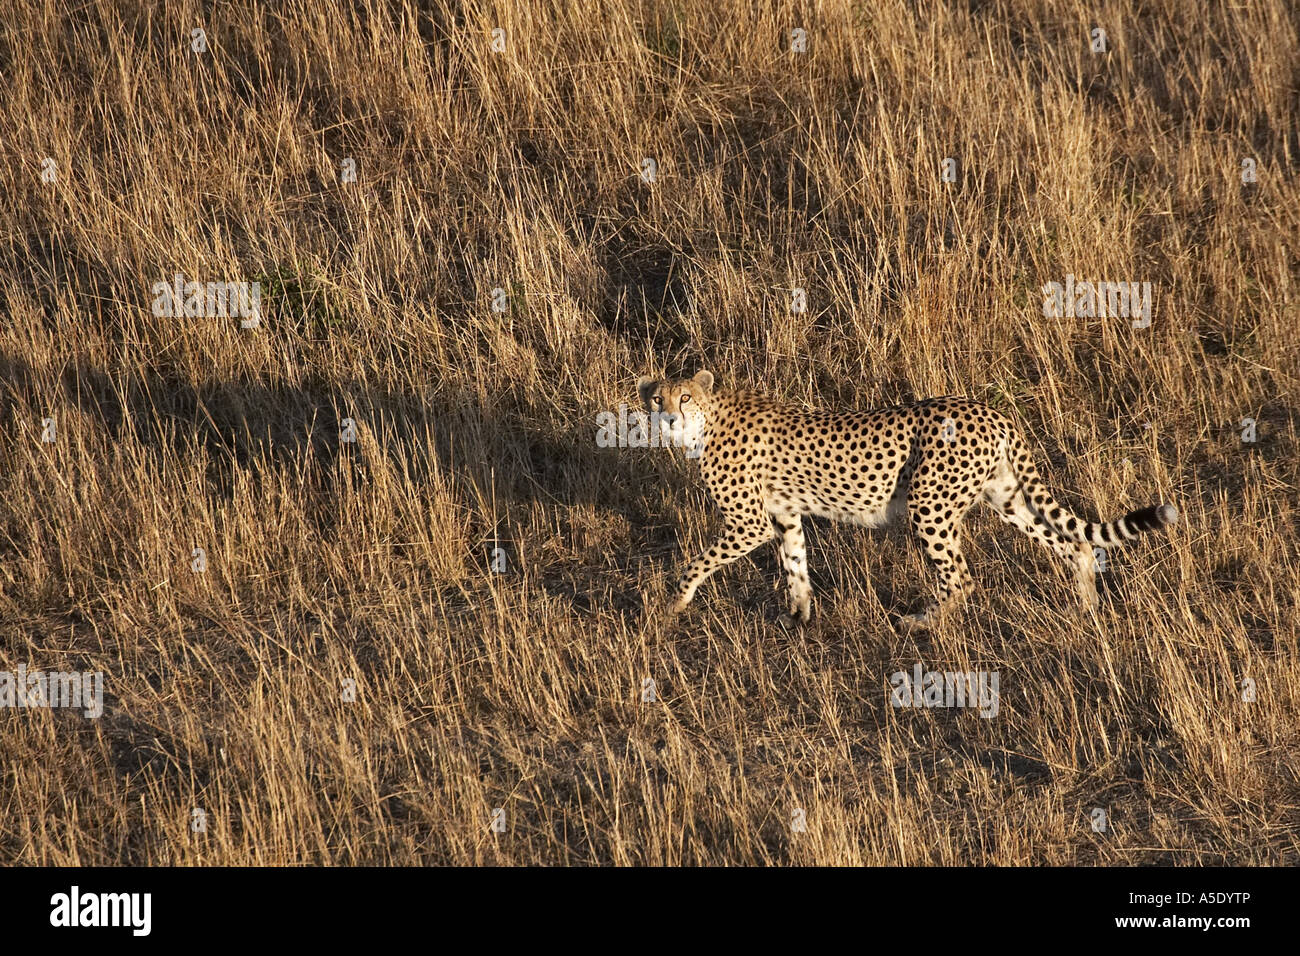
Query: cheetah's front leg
x,y
794,558
741,536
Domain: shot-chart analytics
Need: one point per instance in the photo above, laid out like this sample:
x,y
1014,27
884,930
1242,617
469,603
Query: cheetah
x,y
767,465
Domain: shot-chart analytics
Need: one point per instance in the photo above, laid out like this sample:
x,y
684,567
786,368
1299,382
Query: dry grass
x,y
330,561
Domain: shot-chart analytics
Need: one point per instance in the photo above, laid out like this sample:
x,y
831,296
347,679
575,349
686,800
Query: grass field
x,y
358,675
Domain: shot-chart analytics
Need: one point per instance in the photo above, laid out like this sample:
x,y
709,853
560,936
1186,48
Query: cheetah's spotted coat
x,y
931,461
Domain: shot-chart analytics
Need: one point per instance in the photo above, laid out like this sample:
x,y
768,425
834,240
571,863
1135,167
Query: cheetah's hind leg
x,y
941,538
1007,499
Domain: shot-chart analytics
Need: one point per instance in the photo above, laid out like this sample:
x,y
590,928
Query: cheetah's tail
x,y
1074,528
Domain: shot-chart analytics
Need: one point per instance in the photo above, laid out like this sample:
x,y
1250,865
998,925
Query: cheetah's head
x,y
680,409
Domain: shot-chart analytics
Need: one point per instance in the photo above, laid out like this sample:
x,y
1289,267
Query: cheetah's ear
x,y
704,380
645,387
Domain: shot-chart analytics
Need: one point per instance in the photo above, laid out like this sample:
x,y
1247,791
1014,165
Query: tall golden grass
x,y
372,561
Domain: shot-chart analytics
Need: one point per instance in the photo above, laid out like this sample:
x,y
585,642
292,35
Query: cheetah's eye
x,y
685,399
659,400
